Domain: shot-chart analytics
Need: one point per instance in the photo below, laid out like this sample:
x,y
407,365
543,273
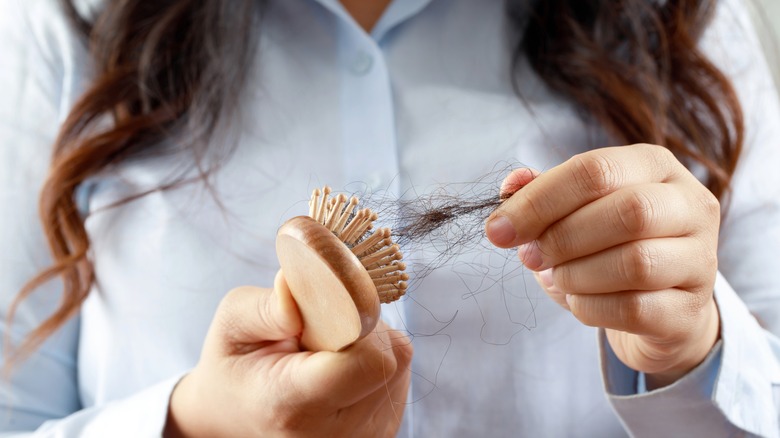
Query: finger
x,y
250,314
582,179
663,314
516,180
381,413
638,212
342,379
502,229
386,405
651,264
556,295
389,403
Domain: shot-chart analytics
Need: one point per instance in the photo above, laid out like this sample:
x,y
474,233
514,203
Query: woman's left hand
x,y
625,238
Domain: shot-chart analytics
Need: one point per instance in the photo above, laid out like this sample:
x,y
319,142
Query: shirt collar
x,y
396,13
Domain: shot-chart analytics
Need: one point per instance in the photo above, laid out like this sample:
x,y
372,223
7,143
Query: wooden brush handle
x,y
335,294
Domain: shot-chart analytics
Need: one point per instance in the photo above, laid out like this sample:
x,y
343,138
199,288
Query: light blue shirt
x,y
426,98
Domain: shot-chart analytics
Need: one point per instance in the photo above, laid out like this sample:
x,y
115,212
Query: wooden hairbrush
x,y
338,270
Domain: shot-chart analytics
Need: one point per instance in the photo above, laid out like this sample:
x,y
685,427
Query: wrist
x,y
690,354
183,420
173,424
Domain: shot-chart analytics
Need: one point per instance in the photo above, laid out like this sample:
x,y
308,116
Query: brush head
x,y
335,295
339,270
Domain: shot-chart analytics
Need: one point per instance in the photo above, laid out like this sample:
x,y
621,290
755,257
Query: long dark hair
x,y
178,66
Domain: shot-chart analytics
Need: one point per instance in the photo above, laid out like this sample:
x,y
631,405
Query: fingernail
x,y
501,232
530,255
569,299
516,180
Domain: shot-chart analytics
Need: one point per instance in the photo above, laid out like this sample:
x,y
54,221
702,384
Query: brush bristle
x,y
375,249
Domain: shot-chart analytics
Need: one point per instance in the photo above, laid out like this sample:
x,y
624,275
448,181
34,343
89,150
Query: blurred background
x,y
766,16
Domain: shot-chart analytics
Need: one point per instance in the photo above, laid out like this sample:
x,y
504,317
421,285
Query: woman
x,y
187,132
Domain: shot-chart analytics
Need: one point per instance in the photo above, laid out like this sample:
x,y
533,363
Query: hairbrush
x,y
339,269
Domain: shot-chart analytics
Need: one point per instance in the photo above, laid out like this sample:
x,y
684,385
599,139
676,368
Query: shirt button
x,y
362,63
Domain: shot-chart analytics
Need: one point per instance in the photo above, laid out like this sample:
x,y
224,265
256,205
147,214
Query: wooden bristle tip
x,y
373,247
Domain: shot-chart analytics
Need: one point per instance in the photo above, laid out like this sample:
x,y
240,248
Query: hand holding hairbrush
x,y
338,269
276,362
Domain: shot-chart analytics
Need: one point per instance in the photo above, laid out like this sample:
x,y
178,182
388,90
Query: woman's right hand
x,y
253,380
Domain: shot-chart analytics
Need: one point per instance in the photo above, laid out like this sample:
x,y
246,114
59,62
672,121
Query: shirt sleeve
x,y
39,69
730,393
736,390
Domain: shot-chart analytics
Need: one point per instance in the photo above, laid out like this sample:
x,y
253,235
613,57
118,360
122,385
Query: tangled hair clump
x,y
445,222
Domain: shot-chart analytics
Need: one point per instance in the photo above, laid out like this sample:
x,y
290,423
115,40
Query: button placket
x,y
370,151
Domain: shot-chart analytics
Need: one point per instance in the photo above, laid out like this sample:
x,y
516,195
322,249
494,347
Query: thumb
x,y
498,227
249,314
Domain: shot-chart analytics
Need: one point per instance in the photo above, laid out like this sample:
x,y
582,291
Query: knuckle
x,y
534,208
662,156
710,260
404,353
403,356
626,312
638,263
660,152
565,278
703,279
555,243
226,319
266,316
687,309
240,306
375,365
633,310
596,173
584,308
662,159
288,417
710,204
230,299
636,213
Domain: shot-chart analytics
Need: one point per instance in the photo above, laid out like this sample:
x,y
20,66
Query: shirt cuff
x,y
730,392
141,415
710,365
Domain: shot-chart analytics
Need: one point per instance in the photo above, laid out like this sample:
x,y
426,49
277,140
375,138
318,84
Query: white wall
x,y
772,10
766,16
